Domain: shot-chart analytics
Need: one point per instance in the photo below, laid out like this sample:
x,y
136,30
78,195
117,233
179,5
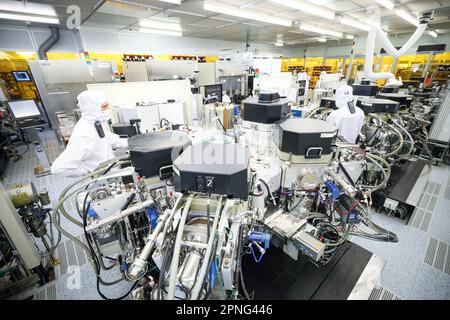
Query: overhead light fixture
x,y
27,11
315,29
154,24
279,44
29,18
355,24
28,8
171,1
388,4
349,36
307,8
322,39
161,32
231,10
433,33
405,15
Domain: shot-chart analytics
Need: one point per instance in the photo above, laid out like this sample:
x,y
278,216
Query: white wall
x,y
29,39
103,40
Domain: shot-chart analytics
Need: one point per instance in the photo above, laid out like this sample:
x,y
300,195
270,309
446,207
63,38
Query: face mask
x,y
106,115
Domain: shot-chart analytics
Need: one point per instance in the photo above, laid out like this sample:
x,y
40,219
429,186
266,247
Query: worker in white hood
x,y
87,149
348,118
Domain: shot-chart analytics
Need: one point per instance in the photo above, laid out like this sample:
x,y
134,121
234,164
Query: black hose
x,y
346,174
129,200
238,273
95,258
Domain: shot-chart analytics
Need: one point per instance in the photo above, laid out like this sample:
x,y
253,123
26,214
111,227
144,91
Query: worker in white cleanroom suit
x,y
226,98
348,118
87,149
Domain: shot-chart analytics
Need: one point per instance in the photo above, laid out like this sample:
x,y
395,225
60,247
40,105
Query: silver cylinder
x,y
215,112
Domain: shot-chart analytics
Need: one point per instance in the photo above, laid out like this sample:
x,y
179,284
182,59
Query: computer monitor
x,y
24,109
21,76
214,90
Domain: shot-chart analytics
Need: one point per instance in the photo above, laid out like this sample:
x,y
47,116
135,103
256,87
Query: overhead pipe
x,y
389,48
47,44
376,33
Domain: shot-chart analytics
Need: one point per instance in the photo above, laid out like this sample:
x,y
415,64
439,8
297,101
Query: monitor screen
x,y
214,90
21,76
23,109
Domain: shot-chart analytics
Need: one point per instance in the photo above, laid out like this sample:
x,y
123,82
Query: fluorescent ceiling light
x,y
433,33
27,8
162,32
279,44
407,17
388,4
231,10
171,1
350,36
320,2
153,24
322,39
307,8
355,24
28,18
315,29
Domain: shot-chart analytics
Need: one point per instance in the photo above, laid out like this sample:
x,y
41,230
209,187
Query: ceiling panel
x,y
340,6
124,14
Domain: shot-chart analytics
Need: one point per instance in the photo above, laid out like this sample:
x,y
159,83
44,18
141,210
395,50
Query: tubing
x,y
376,33
411,148
386,173
400,145
205,263
368,60
139,264
389,48
121,214
176,251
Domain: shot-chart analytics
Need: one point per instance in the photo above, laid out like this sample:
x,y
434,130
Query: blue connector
x,y
153,216
260,237
91,213
335,192
353,217
236,110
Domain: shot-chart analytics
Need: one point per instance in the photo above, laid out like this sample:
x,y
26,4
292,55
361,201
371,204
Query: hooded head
x,y
90,103
344,94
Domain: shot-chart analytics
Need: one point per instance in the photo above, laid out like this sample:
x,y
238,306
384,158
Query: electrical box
x,y
266,108
308,245
372,105
404,100
309,138
213,168
150,152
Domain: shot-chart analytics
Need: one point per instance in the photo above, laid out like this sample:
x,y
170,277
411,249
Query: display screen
x,y
23,109
21,76
214,90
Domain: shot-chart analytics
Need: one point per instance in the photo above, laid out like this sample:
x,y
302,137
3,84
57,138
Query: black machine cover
x,y
151,151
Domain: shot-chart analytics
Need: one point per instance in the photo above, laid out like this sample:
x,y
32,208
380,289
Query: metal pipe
x,y
120,215
205,263
139,265
47,44
176,251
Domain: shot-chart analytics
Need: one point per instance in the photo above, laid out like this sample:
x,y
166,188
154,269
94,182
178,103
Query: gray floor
x,y
417,267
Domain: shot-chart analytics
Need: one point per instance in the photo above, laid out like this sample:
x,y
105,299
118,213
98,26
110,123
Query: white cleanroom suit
x,y
348,123
86,150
